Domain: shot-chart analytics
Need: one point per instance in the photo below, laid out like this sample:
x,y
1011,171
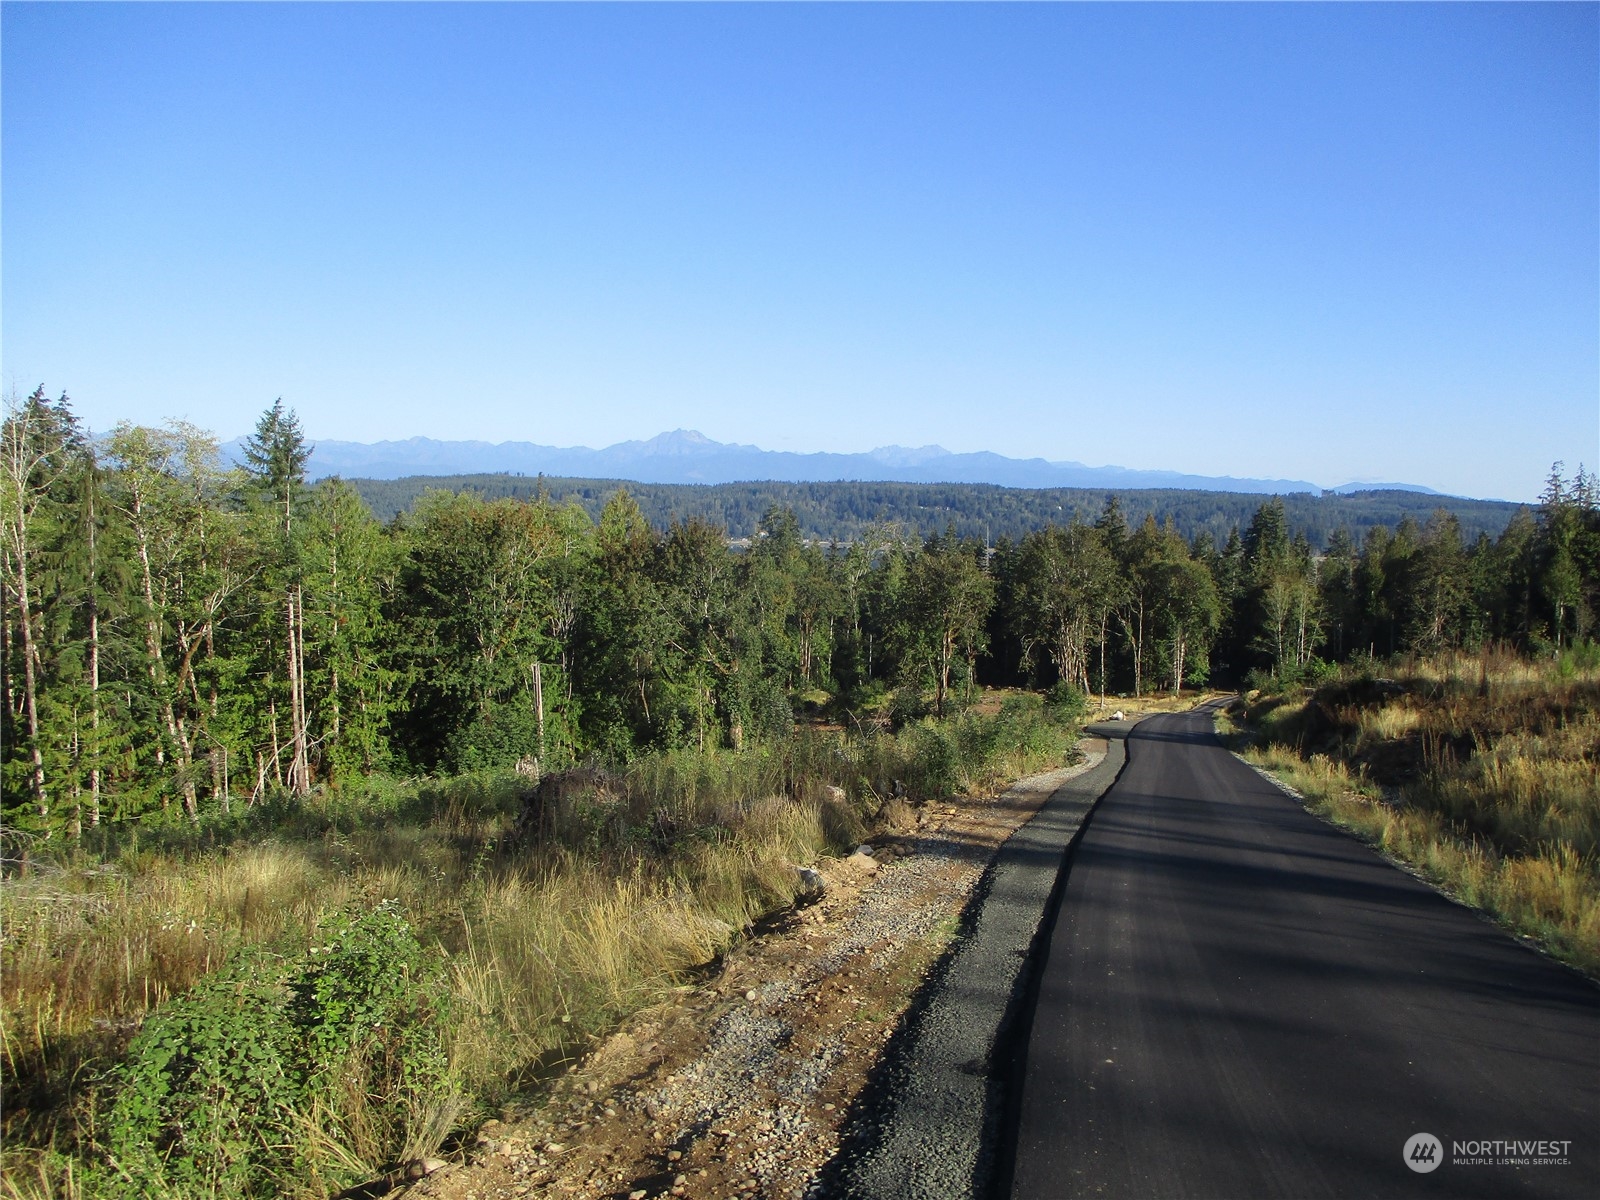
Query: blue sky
x,y
1327,242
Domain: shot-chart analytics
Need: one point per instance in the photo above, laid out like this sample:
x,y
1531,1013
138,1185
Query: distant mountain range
x,y
685,456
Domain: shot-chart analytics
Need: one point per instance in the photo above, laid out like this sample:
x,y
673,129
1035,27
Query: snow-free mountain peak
x,y
689,456
907,456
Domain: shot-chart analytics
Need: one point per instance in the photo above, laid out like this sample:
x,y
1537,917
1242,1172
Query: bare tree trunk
x,y
1133,626
292,665
22,458
191,794
538,704
77,791
946,653
30,686
219,788
1138,657
157,669
299,767
1104,621
300,658
94,668
333,613
277,748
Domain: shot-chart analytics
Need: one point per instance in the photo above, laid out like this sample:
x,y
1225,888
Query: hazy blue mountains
x,y
684,456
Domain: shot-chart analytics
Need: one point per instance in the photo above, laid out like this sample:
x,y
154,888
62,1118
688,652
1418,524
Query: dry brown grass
x,y
638,876
546,949
546,959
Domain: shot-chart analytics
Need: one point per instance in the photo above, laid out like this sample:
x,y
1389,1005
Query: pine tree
x,y
1560,577
276,456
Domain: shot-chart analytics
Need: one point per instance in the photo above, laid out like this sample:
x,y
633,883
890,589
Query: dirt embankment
x,y
740,1085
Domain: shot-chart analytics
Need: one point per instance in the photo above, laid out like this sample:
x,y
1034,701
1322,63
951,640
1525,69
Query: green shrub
x,y
209,1088
934,766
771,712
907,704
1578,659
361,985
1311,673
223,1083
1066,702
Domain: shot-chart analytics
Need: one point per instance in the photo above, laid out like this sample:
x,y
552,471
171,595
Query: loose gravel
x,y
940,1100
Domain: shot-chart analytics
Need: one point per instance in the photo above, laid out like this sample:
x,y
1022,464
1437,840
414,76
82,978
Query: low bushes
x,y
274,1077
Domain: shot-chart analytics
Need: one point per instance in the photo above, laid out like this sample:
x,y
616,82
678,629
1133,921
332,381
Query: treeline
x,y
180,638
848,511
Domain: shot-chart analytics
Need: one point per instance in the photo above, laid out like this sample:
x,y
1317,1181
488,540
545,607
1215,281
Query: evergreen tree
x,y
1441,587
171,629
1336,583
276,456
1560,577
44,466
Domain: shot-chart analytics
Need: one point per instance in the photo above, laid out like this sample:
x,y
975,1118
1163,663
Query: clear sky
x,y
1326,242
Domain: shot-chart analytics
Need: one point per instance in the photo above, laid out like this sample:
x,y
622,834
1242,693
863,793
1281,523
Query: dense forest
x,y
180,637
846,512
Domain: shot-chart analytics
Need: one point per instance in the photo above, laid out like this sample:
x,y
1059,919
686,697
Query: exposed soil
x,y
739,1086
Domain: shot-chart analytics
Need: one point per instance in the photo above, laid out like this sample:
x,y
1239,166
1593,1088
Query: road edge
x,y
1443,890
931,1119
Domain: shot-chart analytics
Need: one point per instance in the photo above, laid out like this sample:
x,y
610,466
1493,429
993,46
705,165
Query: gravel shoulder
x,y
934,1125
815,1061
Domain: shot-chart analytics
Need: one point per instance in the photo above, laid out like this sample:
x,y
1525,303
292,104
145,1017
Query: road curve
x,y
1240,1000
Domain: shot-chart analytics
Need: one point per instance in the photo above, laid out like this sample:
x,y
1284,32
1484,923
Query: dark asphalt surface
x,y
930,1123
1240,1000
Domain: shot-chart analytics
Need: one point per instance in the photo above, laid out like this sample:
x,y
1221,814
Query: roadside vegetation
x,y
335,985
1480,770
321,836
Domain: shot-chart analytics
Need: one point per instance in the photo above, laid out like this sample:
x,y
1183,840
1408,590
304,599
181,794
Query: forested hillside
x,y
181,638
845,512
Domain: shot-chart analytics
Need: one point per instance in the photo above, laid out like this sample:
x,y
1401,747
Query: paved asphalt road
x,y
1241,1001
